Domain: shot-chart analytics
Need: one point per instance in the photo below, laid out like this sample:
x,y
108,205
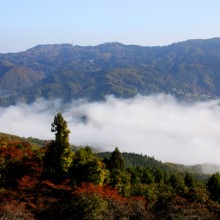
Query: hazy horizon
x,y
94,45
24,24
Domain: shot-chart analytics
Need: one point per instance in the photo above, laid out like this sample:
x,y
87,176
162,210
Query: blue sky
x,y
26,23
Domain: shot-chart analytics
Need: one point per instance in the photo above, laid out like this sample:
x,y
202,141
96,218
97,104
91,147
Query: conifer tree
x,y
213,186
189,180
58,157
116,160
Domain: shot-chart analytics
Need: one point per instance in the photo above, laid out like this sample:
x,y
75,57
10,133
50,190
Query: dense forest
x,y
54,180
188,70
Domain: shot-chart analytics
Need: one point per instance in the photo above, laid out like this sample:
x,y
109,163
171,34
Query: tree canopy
x,y
80,185
58,157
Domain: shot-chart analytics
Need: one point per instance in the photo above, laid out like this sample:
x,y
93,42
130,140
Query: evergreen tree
x,y
189,180
158,176
116,160
58,157
119,178
214,186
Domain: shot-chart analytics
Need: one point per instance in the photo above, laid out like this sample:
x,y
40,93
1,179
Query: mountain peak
x,y
111,44
48,47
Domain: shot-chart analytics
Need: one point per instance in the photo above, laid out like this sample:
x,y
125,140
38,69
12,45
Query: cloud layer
x,y
158,126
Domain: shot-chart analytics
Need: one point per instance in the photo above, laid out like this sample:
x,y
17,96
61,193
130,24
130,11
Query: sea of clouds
x,y
159,125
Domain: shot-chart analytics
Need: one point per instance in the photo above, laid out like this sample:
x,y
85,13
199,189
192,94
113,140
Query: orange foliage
x,y
54,186
15,210
27,183
102,191
17,156
16,150
108,193
133,207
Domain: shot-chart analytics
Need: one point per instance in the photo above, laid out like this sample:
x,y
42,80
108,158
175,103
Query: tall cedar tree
x,y
116,160
58,157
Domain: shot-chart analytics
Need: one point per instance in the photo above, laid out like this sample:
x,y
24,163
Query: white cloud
x,y
157,126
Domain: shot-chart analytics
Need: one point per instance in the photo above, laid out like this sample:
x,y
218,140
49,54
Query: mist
x,y
159,126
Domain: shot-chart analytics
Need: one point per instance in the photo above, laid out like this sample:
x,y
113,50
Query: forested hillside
x,y
55,182
202,171
188,70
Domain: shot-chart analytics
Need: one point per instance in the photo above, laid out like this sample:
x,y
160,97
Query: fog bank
x,y
158,126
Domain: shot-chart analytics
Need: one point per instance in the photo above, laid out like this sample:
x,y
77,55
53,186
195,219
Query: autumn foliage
x,y
53,182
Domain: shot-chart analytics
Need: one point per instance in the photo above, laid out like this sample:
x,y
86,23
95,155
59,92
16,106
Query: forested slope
x,y
187,70
53,182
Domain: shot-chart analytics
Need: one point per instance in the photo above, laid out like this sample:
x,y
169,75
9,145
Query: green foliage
x,y
86,167
158,176
116,160
6,138
87,206
136,193
177,183
198,193
164,196
213,186
120,180
58,157
187,70
189,180
133,160
141,175
35,143
59,126
99,192
148,191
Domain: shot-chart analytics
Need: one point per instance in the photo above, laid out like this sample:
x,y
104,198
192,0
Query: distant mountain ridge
x,y
189,70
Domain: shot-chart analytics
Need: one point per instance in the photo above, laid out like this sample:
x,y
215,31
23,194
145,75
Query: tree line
x,y
56,182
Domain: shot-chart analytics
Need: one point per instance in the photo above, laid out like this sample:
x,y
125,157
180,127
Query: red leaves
x,y
117,206
18,159
15,210
16,150
54,186
105,191
27,183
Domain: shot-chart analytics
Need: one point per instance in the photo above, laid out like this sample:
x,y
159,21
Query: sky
x,y
158,126
27,23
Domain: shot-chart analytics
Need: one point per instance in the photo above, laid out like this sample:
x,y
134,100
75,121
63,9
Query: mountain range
x,y
188,70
